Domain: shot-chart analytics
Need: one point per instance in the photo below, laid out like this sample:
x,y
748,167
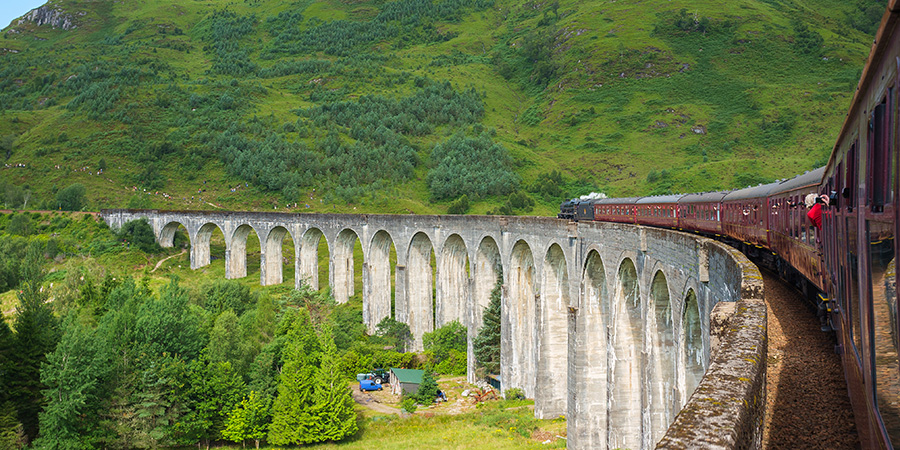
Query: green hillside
x,y
405,106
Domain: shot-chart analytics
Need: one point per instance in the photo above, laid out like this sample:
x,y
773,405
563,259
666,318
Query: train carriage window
x,y
883,294
792,216
850,185
878,165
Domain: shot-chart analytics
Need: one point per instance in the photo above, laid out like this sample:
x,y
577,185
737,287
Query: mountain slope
x,y
405,106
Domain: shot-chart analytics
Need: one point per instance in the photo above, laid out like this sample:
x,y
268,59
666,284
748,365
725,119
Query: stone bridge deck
x,y
608,324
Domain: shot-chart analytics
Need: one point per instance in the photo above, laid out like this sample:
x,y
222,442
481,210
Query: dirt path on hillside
x,y
166,259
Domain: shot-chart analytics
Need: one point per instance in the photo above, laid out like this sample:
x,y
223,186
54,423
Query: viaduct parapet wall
x,y
607,324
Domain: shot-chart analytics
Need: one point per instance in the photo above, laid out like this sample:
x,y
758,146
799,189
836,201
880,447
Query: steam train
x,y
848,268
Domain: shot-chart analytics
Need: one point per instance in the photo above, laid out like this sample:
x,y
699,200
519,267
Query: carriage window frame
x,y
852,175
878,169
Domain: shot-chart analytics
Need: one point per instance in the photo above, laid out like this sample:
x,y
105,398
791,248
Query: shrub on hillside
x,y
459,206
139,233
71,198
477,167
20,225
395,334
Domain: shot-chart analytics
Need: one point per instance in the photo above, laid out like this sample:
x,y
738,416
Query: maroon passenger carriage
x,y
702,213
745,216
615,209
659,211
792,236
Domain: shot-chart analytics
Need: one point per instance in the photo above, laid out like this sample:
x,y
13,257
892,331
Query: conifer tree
x,y
248,420
428,390
334,403
11,432
75,374
487,342
36,335
293,421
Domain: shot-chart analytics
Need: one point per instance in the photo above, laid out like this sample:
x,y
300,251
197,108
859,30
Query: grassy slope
x,y
765,110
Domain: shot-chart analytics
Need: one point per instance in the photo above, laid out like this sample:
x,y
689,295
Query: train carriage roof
x,y
616,201
811,178
750,192
704,197
659,199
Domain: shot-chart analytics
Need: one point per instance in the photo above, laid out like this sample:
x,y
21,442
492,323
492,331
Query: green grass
x,y
647,84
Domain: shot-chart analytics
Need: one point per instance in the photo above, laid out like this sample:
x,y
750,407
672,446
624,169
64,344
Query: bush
x,y
459,206
807,42
453,364
476,167
408,404
446,339
20,224
514,394
139,233
227,294
395,334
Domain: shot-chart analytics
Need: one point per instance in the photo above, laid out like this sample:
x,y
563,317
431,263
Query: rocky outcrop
x,y
47,15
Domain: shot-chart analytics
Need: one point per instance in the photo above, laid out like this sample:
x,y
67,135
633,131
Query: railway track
x,y
807,405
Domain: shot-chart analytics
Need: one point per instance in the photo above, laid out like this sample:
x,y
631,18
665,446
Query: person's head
x,y
810,200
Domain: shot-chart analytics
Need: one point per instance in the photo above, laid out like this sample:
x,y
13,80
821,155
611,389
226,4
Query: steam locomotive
x,y
848,268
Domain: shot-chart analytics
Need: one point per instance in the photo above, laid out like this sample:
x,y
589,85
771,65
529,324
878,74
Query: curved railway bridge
x,y
612,325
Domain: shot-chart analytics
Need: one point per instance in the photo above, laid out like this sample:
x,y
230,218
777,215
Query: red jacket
x,y
815,215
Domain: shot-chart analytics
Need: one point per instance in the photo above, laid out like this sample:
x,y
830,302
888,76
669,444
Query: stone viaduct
x,y
607,324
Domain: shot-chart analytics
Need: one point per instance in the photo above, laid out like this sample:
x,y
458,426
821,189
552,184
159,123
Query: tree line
x,y
111,363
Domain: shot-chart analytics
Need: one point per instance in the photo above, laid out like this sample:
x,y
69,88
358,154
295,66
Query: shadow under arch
x,y
625,362
342,268
661,359
487,273
308,259
274,255
452,282
691,353
589,417
518,368
377,304
237,252
553,335
167,234
419,314
200,248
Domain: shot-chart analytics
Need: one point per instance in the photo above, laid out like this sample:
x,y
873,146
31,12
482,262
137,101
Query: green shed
x,y
404,381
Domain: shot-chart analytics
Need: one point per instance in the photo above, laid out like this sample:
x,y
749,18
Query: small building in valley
x,y
404,381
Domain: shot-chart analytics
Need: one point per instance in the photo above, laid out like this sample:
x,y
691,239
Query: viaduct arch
x,y
607,324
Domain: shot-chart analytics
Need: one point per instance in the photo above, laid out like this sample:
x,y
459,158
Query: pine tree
x,y
487,342
293,421
248,420
334,403
11,432
75,374
428,390
36,335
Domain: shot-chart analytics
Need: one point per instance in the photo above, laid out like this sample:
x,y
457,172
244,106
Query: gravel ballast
x,y
807,402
